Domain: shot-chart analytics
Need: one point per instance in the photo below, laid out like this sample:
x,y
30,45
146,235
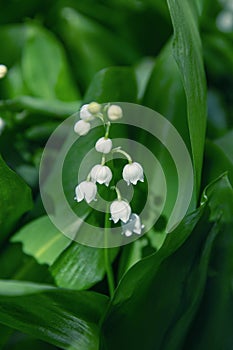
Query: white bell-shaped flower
x,y
114,112
120,210
86,190
101,174
103,145
3,70
85,114
132,173
132,226
82,128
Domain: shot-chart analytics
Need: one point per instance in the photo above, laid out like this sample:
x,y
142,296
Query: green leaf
x,y
13,191
65,318
158,297
20,341
41,106
80,267
218,158
113,84
187,50
212,328
165,93
44,67
91,45
41,239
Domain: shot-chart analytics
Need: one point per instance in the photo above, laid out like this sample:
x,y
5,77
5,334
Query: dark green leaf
x,y
44,67
65,318
79,267
113,84
42,240
13,191
158,297
212,328
187,51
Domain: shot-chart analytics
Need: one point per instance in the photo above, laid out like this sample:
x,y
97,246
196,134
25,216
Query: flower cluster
x,y
100,173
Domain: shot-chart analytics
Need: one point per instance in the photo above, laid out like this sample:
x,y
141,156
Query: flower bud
x,y
86,190
132,173
114,112
3,70
101,174
82,127
103,145
94,107
120,210
85,113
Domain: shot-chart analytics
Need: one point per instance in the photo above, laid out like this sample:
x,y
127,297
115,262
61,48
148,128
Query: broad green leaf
x,y
22,266
44,67
225,143
12,38
20,341
15,199
41,239
212,328
165,93
113,84
159,296
79,267
218,158
55,108
65,318
187,50
91,45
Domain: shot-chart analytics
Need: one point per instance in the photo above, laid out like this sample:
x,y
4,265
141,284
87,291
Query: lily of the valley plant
x,y
132,172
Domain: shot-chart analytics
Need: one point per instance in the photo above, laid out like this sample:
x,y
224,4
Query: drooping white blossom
x,y
132,226
86,190
114,112
82,128
120,210
132,173
103,145
85,114
101,174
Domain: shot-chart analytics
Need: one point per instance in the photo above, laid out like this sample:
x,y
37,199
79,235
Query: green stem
x,y
108,265
107,130
118,150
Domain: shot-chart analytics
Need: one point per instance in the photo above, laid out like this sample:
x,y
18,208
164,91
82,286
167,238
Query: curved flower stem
x,y
108,265
107,130
119,150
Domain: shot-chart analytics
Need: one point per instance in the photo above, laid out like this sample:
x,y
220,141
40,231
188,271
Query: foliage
x,y
173,292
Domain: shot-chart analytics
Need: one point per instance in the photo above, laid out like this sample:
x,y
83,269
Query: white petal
x,y
3,70
128,233
114,112
101,174
79,194
85,114
137,225
103,145
82,127
90,191
133,173
120,210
